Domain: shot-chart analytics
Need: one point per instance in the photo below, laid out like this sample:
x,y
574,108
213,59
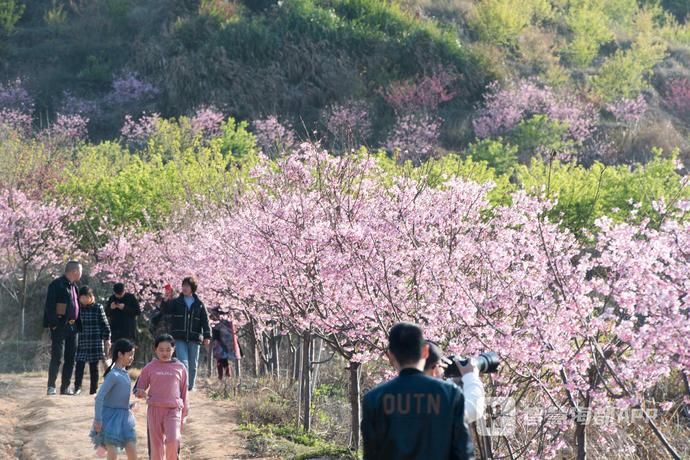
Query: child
x,y
95,330
163,382
113,425
225,346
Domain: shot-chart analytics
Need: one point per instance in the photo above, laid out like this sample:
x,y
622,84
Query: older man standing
x,y
61,315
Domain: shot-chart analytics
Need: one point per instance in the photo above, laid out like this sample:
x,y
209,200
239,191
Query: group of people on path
x,y
81,330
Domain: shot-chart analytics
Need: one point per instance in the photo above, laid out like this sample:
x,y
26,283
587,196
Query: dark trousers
x,y
93,375
223,366
63,343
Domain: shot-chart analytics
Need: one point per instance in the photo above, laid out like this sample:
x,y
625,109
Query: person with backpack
x,y
189,326
225,346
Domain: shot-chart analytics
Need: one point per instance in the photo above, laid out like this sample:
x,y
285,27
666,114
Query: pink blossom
x,y
628,110
505,107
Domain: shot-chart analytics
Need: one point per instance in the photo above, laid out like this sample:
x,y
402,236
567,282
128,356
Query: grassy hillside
x,y
419,70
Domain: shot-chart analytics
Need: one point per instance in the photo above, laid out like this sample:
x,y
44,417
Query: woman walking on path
x,y
114,425
95,331
189,326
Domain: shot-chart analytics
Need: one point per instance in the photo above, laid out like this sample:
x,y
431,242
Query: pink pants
x,y
164,424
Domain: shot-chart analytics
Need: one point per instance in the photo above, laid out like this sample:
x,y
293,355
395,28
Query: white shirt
x,y
473,388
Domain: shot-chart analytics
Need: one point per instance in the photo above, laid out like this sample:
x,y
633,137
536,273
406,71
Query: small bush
x,y
498,155
590,28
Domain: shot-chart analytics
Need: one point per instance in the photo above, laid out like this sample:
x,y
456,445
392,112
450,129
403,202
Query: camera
x,y
487,363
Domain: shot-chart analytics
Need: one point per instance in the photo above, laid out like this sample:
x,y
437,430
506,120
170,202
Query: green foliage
x,y
10,12
115,187
296,444
540,133
621,192
501,21
620,12
590,28
436,171
500,156
626,73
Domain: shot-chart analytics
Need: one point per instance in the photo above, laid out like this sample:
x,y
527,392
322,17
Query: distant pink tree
x,y
677,96
504,108
33,241
348,124
273,137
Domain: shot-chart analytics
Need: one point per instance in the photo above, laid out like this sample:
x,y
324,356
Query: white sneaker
x,y
51,391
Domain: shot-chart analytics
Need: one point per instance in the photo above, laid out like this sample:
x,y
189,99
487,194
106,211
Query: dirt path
x,y
34,426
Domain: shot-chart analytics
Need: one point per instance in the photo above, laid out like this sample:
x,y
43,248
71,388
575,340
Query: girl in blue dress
x,y
113,424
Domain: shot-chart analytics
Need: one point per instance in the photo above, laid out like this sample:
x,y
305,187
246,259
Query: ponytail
x,y
120,346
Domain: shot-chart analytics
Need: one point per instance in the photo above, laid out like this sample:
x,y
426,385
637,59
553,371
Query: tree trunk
x,y
315,371
355,407
306,378
581,441
300,381
255,350
275,357
23,301
296,364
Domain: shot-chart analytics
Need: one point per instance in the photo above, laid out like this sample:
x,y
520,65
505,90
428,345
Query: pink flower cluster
x,y
137,132
130,88
628,111
505,107
414,137
74,105
273,137
677,96
208,121
348,124
14,96
32,234
422,95
69,127
16,120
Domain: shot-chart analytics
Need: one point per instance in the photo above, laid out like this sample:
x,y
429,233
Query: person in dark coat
x,y
122,309
189,326
95,333
61,316
414,416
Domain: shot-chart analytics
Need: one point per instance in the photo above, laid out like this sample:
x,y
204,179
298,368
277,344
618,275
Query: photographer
x,y
469,380
414,416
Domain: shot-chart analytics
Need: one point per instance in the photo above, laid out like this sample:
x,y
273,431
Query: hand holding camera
x,y
487,363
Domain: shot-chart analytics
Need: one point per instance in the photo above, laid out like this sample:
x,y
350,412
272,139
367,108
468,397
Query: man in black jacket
x,y
122,310
414,416
61,316
189,325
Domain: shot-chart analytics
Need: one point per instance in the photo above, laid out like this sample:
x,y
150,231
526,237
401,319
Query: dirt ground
x,y
34,426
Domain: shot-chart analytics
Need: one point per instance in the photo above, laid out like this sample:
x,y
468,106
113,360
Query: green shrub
x,y
500,156
590,28
10,12
502,21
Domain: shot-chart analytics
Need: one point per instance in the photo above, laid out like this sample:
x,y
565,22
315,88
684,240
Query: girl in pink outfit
x,y
163,382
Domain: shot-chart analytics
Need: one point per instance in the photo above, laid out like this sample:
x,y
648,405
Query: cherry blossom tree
x,y
33,241
323,247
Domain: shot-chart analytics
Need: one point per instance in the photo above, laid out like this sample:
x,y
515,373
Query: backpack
x,y
160,324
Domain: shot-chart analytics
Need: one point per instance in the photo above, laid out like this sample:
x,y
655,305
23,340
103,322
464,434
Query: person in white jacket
x,y
471,384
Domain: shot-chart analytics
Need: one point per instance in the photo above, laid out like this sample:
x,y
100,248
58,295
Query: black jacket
x,y
123,323
188,324
58,292
415,416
